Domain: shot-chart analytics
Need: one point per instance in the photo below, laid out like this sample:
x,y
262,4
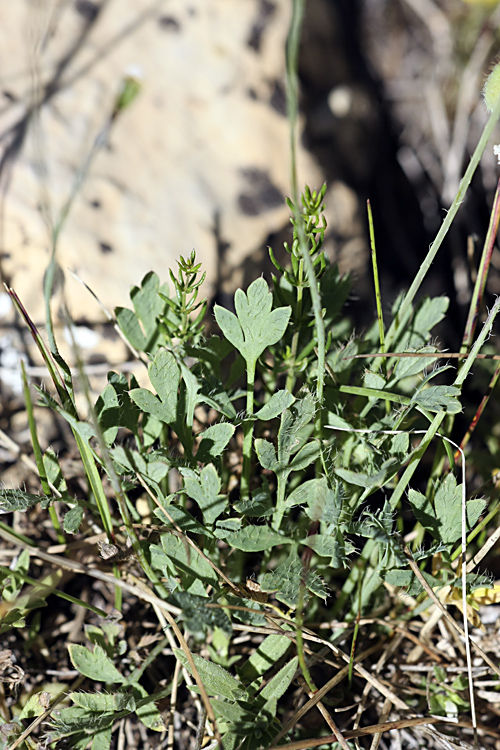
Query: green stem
x,y
115,482
482,273
248,432
378,296
299,621
464,184
47,490
42,590
292,55
438,419
282,478
290,381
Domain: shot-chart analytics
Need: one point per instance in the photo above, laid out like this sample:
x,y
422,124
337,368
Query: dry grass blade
x,y
336,731
187,653
187,539
316,697
78,567
481,553
442,608
352,734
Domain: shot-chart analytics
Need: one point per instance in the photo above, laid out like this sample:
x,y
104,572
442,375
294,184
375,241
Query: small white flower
x,y
496,151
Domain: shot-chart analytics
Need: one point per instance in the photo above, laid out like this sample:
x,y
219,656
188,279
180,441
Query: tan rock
x,y
200,160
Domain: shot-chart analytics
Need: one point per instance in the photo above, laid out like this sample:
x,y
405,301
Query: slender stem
x,y
38,455
482,273
42,589
299,621
445,226
248,433
278,514
292,89
295,340
378,297
115,482
292,54
480,408
54,272
438,419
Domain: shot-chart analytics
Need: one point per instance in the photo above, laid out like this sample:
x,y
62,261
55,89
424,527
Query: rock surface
x,y
199,160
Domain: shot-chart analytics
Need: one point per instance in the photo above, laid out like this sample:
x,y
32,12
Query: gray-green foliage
x,y
289,502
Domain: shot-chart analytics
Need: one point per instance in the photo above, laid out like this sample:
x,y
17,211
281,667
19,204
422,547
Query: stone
x,y
199,160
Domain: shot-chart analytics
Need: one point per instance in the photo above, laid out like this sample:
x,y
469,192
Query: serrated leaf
x,y
12,500
285,580
329,508
95,665
141,327
305,457
164,374
276,405
255,539
363,480
448,508
400,444
204,487
260,504
227,526
431,312
131,460
147,302
293,422
188,563
438,398
213,394
216,679
53,471
75,719
198,617
104,701
255,325
474,507
373,380
213,441
312,492
115,409
424,512
407,367
266,454
73,520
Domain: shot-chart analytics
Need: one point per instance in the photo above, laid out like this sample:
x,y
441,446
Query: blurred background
x,y
390,110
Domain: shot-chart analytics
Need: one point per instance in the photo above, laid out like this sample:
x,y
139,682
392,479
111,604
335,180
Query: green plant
x,y
259,512
207,540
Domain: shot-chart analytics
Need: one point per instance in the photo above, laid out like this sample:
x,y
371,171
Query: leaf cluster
x,y
254,506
